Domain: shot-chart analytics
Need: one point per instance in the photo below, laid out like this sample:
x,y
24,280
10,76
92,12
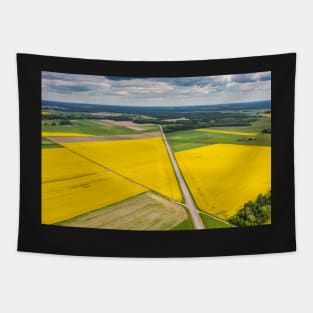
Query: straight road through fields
x,y
194,213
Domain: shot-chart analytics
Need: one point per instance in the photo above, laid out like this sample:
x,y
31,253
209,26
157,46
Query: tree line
x,y
254,213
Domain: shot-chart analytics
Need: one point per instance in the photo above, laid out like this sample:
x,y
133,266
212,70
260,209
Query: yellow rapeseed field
x,y
227,132
267,115
61,134
143,160
59,163
72,186
222,177
44,113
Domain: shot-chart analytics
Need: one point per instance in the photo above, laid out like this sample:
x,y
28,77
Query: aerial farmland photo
x,y
157,153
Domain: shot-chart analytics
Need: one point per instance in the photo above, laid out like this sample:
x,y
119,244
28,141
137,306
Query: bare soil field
x,y
104,114
128,124
147,211
177,119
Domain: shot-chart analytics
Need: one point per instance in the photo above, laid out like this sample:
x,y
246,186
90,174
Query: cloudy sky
x,y
117,90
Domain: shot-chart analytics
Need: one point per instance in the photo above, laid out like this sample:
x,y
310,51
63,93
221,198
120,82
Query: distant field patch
x,y
90,127
143,160
176,119
267,115
190,139
147,211
72,186
222,177
105,138
227,132
62,134
44,113
127,124
255,127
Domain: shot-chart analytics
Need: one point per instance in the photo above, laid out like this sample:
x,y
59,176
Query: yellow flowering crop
x,y
227,132
143,160
222,177
72,186
59,163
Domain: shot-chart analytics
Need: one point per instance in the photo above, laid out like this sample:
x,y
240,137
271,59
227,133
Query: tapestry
x,y
156,158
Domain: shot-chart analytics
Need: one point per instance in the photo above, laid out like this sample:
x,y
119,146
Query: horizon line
x,y
151,106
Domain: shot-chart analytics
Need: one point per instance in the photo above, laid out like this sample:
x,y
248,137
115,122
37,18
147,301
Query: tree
x,y
254,213
266,131
65,122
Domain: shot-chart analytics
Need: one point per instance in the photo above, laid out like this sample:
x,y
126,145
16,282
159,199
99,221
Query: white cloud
x,y
156,91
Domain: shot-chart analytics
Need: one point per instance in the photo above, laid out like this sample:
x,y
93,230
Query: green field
x,y
257,126
210,222
91,127
46,143
189,139
185,225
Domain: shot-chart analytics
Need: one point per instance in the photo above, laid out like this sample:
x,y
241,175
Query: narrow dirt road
x,y
194,213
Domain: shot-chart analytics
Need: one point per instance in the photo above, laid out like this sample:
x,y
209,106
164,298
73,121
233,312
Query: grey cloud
x,y
183,90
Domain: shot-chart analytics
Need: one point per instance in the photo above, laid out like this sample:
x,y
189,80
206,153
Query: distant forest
x,y
84,107
172,118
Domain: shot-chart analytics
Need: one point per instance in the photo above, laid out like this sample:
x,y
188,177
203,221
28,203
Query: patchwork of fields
x,y
118,174
142,160
72,186
104,184
247,135
147,211
93,127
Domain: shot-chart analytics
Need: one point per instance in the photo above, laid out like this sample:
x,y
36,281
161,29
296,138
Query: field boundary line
x,y
216,218
143,186
123,176
68,178
105,167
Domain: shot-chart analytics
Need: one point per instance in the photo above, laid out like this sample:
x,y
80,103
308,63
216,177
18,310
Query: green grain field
x,y
189,139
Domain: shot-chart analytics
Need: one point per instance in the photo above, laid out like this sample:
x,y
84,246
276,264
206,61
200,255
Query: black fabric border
x,y
277,237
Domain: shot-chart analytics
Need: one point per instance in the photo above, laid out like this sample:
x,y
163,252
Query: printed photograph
x,y
156,154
